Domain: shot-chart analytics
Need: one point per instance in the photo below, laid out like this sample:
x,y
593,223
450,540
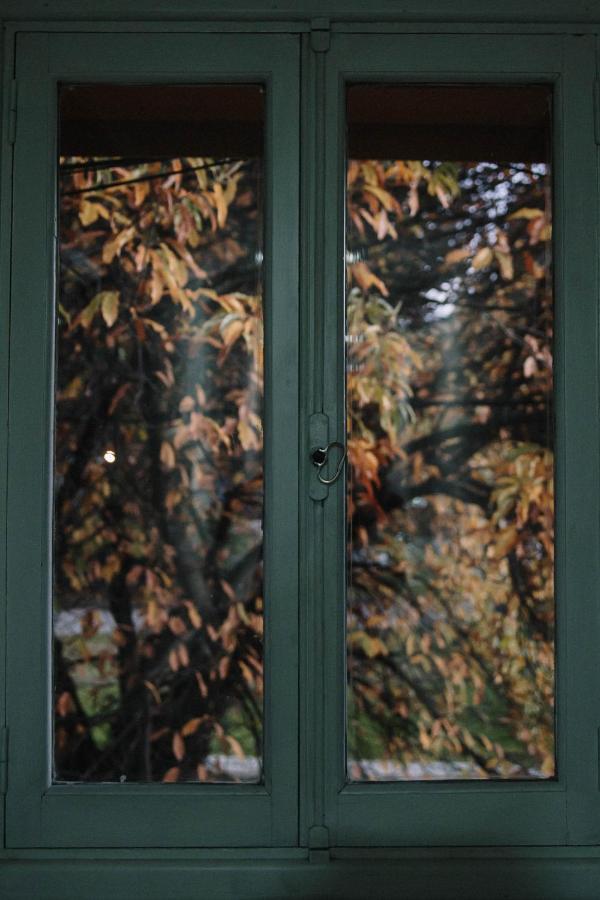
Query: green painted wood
x,y
365,820
27,534
567,811
435,878
578,442
312,381
154,815
244,10
5,226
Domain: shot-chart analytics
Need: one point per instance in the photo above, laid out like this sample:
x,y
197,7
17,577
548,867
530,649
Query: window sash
x,y
428,813
40,814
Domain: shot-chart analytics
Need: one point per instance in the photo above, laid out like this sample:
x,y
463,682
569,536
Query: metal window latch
x,y
320,456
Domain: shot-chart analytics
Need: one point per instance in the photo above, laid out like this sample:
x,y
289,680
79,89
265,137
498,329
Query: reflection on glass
x,y
158,609
450,620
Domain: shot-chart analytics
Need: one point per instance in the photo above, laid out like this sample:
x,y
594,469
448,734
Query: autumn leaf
x,y
192,726
366,279
109,305
505,262
450,513
386,199
178,746
86,317
194,615
167,455
526,213
113,247
230,333
483,258
89,212
456,256
221,204
506,542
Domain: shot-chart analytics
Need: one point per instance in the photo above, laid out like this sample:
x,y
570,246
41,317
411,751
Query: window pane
x,y
449,315
158,608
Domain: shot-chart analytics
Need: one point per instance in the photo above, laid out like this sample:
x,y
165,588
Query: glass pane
x,y
158,607
449,319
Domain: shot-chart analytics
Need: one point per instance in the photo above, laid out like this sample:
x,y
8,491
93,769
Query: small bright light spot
x,y
110,456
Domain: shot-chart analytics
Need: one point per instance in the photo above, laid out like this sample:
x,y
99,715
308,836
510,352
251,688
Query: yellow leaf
x,y
482,258
167,455
140,192
73,389
86,315
220,204
88,212
109,306
232,332
526,212
505,261
248,437
385,198
114,247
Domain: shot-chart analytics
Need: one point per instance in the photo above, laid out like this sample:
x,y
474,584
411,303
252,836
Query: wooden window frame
x,y
320,836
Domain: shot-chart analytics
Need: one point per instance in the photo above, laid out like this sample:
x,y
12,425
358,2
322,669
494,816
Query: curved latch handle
x,y
319,457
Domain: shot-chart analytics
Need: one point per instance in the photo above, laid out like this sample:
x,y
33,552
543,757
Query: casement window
x,y
302,489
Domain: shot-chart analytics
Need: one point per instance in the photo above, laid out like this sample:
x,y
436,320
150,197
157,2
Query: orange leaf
x,y
366,279
224,666
178,746
191,726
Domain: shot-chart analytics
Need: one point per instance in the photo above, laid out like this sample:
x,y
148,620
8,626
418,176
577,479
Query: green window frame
x,y
305,832
500,813
40,813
